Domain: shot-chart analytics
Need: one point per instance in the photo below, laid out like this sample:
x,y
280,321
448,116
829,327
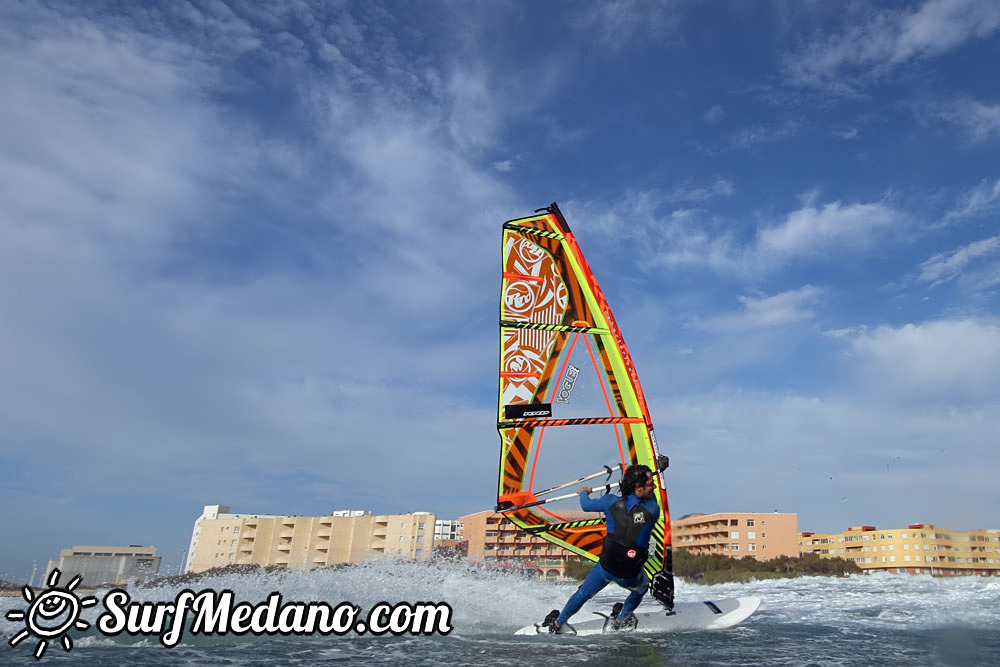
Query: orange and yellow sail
x,y
570,399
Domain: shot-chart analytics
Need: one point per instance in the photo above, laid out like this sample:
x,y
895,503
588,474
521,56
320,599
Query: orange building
x,y
495,541
738,534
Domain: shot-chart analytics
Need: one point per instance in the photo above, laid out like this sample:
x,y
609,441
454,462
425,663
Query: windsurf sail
x,y
570,399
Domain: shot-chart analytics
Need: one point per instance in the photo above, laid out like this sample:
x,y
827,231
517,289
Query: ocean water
x,y
861,620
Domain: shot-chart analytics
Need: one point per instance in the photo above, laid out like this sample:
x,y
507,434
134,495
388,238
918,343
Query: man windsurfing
x,y
630,520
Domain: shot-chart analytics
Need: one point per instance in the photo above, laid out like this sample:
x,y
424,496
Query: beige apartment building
x,y
917,549
738,534
221,538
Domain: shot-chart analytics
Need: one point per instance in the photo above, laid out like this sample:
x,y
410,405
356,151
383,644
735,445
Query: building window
x,y
752,547
750,523
751,535
734,535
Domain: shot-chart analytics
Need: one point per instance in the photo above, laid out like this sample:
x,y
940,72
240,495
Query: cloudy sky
x,y
250,253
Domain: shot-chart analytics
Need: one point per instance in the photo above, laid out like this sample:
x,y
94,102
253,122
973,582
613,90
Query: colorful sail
x,y
570,399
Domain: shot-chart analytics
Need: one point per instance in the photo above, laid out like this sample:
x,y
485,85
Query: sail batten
x,y
550,300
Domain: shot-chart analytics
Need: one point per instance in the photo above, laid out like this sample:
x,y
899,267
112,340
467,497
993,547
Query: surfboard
x,y
686,617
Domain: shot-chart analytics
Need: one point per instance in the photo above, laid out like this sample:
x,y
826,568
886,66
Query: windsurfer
x,y
630,520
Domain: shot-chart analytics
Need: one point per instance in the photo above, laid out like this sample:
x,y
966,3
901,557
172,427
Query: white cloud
x,y
811,230
849,455
474,114
117,150
980,122
769,311
714,115
758,135
890,38
687,238
942,25
948,361
691,191
949,265
619,25
676,238
186,288
981,200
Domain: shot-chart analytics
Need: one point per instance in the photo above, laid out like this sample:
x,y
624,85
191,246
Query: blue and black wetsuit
x,y
630,524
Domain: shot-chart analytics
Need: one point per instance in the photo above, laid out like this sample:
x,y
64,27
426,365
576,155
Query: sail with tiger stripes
x,y
570,399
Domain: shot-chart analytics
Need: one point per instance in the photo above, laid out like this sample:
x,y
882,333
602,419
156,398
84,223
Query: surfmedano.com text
x,y
214,613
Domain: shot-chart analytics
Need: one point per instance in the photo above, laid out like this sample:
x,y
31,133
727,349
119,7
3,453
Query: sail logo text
x,y
572,372
57,610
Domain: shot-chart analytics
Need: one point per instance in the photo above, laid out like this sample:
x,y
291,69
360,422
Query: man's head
x,y
638,479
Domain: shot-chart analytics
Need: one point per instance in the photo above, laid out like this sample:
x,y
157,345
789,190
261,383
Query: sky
x,y
250,253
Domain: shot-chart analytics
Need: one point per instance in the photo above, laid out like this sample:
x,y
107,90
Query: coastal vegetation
x,y
717,569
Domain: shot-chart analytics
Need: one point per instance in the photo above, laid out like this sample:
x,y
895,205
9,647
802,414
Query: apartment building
x,y
447,529
738,534
495,541
105,565
222,538
917,549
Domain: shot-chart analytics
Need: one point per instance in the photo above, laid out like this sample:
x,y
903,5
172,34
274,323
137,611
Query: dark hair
x,y
634,475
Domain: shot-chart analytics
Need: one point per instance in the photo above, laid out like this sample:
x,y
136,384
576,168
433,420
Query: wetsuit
x,y
630,523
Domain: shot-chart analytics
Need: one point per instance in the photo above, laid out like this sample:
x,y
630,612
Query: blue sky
x,y
250,254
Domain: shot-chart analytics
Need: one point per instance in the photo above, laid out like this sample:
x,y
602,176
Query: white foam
x,y
497,603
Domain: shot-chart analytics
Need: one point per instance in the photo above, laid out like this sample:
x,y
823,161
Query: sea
x,y
880,619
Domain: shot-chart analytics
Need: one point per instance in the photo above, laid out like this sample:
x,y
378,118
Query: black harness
x,y
620,555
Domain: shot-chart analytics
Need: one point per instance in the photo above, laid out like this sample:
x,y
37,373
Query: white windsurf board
x,y
687,616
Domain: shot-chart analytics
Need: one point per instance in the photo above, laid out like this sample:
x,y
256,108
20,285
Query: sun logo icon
x,y
51,614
